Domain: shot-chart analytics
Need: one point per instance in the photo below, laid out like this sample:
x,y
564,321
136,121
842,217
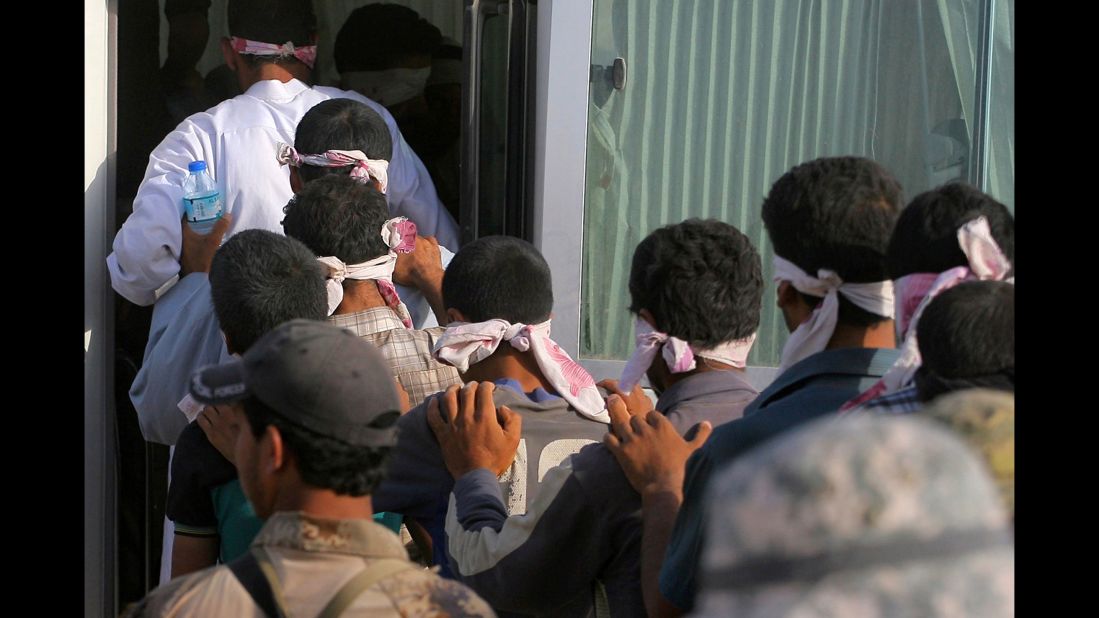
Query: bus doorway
x,y
475,143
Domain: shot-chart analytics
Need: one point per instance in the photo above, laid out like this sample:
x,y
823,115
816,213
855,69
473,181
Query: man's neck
x,y
702,365
879,335
360,296
325,503
283,73
507,362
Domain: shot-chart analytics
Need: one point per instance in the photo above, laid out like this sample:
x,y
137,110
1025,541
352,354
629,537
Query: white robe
x,y
237,139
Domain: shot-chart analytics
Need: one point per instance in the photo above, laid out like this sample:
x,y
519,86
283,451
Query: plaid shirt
x,y
408,351
903,401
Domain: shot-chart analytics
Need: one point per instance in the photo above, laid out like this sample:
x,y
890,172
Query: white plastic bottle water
x,y
201,198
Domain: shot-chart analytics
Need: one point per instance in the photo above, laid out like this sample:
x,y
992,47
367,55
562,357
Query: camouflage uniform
x,y
314,557
986,420
857,516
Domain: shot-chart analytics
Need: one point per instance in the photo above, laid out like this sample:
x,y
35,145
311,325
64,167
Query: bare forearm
x,y
431,286
659,508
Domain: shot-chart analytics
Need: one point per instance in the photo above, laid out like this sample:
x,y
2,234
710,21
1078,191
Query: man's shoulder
x,y
252,110
552,420
419,591
735,437
420,338
825,380
195,456
217,116
413,420
214,589
718,397
597,471
904,401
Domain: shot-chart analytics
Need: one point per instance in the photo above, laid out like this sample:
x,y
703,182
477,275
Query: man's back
x,y
417,484
313,559
584,528
815,386
407,350
237,139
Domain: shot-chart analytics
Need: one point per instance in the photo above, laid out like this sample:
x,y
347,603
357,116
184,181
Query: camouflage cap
x,y
857,516
986,420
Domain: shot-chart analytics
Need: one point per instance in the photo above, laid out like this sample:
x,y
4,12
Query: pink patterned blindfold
x,y
306,53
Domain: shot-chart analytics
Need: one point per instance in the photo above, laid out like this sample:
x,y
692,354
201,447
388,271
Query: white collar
x,y
273,89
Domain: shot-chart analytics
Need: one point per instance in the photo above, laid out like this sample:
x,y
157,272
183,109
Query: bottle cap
x,y
196,166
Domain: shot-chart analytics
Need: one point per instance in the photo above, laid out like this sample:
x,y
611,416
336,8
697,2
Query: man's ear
x,y
794,309
232,58
647,315
274,450
295,180
787,295
455,316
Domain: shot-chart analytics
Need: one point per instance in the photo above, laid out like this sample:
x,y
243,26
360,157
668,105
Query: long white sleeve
x,y
238,139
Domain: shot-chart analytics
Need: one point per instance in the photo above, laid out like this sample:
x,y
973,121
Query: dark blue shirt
x,y
813,387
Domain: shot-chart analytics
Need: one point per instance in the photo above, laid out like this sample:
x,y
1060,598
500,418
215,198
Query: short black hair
x,y
322,461
376,37
967,333
701,280
499,277
338,216
341,124
835,213
260,279
925,239
448,49
272,21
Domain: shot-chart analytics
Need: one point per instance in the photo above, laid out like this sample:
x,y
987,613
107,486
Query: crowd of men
x,y
317,413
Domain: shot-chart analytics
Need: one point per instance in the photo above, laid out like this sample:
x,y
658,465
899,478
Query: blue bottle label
x,y
203,208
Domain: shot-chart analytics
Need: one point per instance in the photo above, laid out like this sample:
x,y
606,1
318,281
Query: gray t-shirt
x,y
418,483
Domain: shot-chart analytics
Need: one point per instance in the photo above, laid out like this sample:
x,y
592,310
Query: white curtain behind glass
x,y
723,97
1001,163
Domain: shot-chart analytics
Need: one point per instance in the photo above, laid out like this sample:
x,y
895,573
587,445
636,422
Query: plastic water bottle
x,y
201,198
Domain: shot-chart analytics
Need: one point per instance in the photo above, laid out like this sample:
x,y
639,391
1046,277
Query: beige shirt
x,y
313,558
408,351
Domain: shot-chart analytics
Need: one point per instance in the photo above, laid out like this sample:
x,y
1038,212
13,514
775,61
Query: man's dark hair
x,y
272,21
499,277
447,50
259,279
376,37
322,461
966,338
341,124
925,239
835,213
701,280
338,216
